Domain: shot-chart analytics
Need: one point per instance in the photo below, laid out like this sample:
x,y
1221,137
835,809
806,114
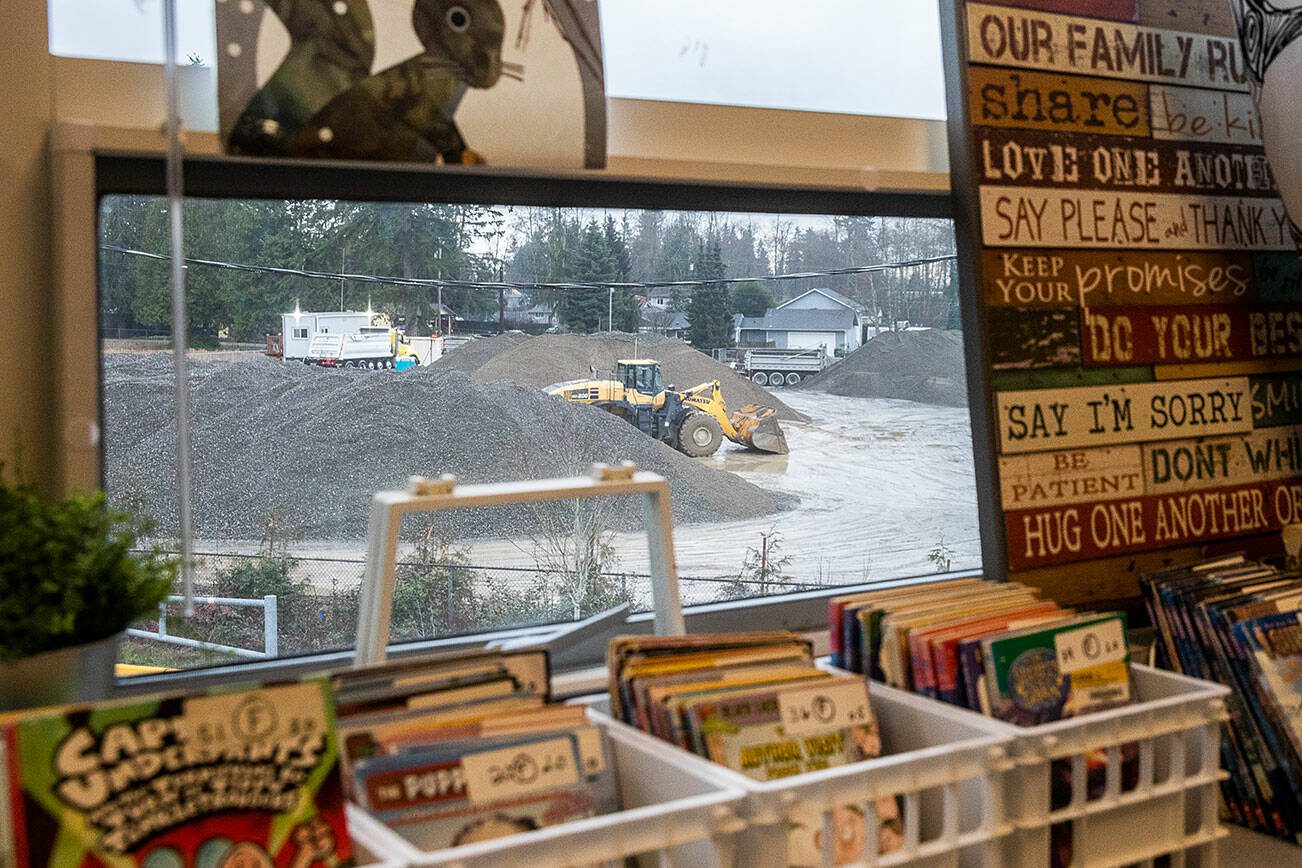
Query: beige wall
x,y
50,384
26,285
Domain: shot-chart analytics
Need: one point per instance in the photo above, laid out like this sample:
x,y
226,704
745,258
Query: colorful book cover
x,y
455,793
247,778
775,733
1039,675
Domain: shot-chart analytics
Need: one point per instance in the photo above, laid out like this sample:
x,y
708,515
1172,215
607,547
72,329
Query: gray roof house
x,y
819,318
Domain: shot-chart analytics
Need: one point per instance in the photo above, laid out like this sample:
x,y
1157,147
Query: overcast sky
x,y
879,57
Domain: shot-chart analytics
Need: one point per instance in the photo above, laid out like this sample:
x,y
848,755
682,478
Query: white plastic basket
x,y
674,813
946,768
1173,808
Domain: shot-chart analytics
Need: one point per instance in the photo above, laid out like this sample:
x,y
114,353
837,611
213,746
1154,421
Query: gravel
x,y
546,359
923,366
308,447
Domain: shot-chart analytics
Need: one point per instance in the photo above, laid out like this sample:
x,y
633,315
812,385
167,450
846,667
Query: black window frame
x,y
212,176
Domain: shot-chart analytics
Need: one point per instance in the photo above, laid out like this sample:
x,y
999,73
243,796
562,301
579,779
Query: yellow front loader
x,y
694,421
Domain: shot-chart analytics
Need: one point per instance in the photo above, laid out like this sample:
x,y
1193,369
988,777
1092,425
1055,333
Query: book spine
x,y
834,639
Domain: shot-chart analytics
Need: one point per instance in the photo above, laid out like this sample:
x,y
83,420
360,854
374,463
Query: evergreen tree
x,y
628,308
709,314
751,298
584,308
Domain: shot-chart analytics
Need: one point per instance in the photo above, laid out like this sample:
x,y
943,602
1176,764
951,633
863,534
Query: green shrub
x,y
67,572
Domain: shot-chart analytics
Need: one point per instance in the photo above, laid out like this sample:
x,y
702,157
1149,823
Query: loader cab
x,y
640,375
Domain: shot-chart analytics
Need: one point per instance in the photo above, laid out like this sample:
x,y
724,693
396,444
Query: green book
x,y
1049,672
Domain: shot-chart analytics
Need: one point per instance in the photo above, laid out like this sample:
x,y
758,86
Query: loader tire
x,y
699,436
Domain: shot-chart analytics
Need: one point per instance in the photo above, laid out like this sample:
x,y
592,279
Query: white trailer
x,y
771,367
297,329
374,348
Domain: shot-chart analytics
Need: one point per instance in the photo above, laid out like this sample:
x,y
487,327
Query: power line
x,y
525,285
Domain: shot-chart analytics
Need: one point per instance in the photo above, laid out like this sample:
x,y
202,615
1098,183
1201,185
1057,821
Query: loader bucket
x,y
758,429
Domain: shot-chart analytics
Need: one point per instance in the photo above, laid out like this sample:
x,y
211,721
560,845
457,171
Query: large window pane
x,y
877,483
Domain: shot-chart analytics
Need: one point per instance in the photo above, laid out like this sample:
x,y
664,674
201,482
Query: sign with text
x,y
1039,159
1276,400
511,772
1030,217
1179,465
1187,115
1054,419
1189,335
1044,101
824,708
1114,164
1040,40
1058,278
1062,534
1087,647
1074,476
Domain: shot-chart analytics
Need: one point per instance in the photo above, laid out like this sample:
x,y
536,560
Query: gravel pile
x,y
923,366
546,359
310,447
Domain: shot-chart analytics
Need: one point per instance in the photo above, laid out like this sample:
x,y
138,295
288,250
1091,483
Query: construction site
x,y
291,454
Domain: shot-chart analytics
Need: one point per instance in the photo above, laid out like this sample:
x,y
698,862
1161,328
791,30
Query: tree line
x,y
520,245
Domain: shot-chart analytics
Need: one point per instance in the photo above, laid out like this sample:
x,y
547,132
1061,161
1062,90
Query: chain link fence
x,y
317,598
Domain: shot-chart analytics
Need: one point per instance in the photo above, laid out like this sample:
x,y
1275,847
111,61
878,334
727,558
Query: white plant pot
x,y
80,673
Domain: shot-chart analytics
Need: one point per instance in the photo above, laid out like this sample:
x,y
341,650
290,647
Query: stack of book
x,y
447,750
1001,650
757,704
994,648
1239,623
467,748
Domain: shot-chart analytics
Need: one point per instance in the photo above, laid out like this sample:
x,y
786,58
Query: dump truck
x,y
771,367
373,347
694,421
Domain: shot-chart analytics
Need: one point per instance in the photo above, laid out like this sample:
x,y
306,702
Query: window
x,y
300,333
878,482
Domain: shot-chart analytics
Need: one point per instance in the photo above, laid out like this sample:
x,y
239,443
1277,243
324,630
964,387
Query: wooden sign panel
x,y
1065,277
1268,454
1183,335
1030,217
1187,115
1044,419
1040,159
1043,101
1039,40
1063,534
1139,282
1074,476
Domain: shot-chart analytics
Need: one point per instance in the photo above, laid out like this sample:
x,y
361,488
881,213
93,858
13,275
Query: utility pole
x,y
610,310
501,303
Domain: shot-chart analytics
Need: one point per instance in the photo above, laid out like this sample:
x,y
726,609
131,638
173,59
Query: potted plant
x,y
70,584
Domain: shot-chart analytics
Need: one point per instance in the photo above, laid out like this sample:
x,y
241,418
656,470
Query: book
x,y
244,777
756,703
1044,673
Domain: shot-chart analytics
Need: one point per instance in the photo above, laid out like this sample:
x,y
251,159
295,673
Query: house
x,y
661,298
819,318
669,323
540,314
